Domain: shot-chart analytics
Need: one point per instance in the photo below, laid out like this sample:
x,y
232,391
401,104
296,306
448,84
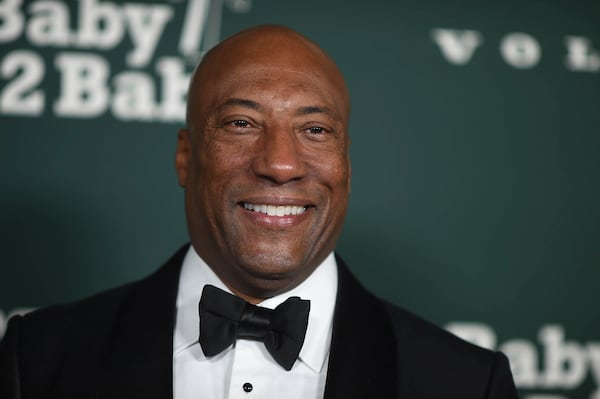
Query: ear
x,y
182,156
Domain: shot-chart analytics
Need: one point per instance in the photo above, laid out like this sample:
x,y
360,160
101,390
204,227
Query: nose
x,y
279,157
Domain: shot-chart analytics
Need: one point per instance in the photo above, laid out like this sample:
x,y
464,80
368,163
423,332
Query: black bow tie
x,y
225,318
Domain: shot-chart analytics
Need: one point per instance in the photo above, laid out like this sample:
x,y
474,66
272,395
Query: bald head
x,y
263,48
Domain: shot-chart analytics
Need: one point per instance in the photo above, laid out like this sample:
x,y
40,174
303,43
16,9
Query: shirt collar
x,y
320,288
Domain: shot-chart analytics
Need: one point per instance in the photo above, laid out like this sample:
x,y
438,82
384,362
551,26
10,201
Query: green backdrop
x,y
475,140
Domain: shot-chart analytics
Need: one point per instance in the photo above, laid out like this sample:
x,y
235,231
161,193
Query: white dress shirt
x,y
245,369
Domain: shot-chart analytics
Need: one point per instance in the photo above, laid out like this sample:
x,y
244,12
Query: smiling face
x,y
264,160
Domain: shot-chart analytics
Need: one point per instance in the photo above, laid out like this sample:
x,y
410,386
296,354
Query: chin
x,y
274,265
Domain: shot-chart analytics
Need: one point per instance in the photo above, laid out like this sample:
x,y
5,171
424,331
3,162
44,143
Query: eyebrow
x,y
314,109
241,102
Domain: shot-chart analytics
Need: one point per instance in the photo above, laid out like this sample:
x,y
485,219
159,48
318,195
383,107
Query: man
x,y
265,167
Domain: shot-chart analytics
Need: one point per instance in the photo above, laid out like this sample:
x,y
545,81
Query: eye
x,y
318,131
240,123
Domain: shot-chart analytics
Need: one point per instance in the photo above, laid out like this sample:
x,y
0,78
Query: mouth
x,y
275,210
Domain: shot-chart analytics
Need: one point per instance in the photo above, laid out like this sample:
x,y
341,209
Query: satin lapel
x,y
363,356
138,362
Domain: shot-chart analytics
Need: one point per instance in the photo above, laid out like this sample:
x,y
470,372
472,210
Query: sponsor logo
x,y
518,50
103,56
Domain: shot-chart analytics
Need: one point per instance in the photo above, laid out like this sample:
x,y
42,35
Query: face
x,y
264,162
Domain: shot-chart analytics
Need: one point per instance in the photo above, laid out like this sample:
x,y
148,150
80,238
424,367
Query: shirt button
x,y
247,387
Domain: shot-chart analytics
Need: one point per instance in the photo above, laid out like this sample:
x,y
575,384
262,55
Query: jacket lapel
x,y
138,359
363,357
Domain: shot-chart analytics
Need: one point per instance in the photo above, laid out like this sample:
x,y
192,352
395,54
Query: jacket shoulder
x,y
36,346
450,364
91,311
42,350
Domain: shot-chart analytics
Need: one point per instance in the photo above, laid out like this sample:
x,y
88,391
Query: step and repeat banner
x,y
475,149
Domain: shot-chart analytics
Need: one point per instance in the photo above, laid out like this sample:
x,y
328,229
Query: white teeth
x,y
273,210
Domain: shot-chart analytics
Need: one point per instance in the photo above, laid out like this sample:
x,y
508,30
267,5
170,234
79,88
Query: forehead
x,y
279,69
278,86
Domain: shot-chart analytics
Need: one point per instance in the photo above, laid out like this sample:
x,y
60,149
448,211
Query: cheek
x,y
222,169
338,181
222,160
330,159
334,169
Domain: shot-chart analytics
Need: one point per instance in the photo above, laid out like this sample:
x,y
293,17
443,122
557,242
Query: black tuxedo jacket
x,y
118,344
